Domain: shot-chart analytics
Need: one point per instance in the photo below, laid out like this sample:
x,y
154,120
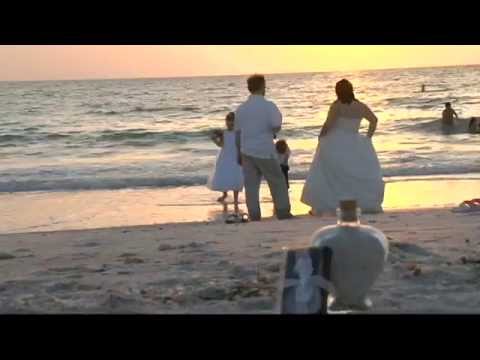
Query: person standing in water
x,y
423,87
447,117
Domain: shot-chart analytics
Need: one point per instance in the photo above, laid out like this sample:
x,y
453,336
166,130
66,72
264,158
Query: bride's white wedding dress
x,y
345,167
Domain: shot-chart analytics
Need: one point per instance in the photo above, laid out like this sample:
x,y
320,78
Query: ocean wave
x,y
57,136
11,137
114,136
145,109
142,109
429,125
96,183
25,139
118,183
103,112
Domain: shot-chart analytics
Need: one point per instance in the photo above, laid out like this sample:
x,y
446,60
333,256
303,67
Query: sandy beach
x,y
211,267
102,207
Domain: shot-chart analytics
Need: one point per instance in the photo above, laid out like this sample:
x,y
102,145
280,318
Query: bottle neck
x,y
348,218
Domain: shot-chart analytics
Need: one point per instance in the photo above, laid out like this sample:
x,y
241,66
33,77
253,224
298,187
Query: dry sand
x,y
203,267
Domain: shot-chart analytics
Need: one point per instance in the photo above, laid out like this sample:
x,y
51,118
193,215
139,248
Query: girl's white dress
x,y
227,175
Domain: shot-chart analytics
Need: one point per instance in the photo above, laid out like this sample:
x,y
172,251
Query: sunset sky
x,y
102,61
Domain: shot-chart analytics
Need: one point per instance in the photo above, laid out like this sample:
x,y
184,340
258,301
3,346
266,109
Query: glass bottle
x,y
359,255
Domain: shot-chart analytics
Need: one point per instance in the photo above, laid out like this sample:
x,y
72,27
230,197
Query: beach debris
x,y
6,256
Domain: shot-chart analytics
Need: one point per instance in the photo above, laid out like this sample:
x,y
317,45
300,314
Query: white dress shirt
x,y
255,119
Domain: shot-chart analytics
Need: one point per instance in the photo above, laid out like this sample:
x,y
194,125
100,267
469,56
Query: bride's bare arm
x,y
372,119
328,123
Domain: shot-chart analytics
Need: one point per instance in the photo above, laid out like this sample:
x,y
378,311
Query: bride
x,y
345,165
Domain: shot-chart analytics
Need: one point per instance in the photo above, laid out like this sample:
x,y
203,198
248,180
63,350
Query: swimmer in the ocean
x,y
423,87
447,116
473,126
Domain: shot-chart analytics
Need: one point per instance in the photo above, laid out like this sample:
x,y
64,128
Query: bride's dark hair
x,y
344,90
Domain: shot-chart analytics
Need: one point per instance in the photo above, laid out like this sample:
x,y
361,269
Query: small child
x,y
283,153
228,175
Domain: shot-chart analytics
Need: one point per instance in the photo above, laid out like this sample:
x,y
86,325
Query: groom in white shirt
x,y
257,121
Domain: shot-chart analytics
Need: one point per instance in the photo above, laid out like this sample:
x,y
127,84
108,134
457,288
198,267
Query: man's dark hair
x,y
447,104
255,82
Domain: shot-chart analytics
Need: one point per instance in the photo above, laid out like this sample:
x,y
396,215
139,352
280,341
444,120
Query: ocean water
x,y
121,134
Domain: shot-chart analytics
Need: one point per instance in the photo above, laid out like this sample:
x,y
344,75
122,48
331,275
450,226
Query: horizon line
x,y
241,75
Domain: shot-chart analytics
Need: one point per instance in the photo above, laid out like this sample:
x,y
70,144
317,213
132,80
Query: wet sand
x,y
52,211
